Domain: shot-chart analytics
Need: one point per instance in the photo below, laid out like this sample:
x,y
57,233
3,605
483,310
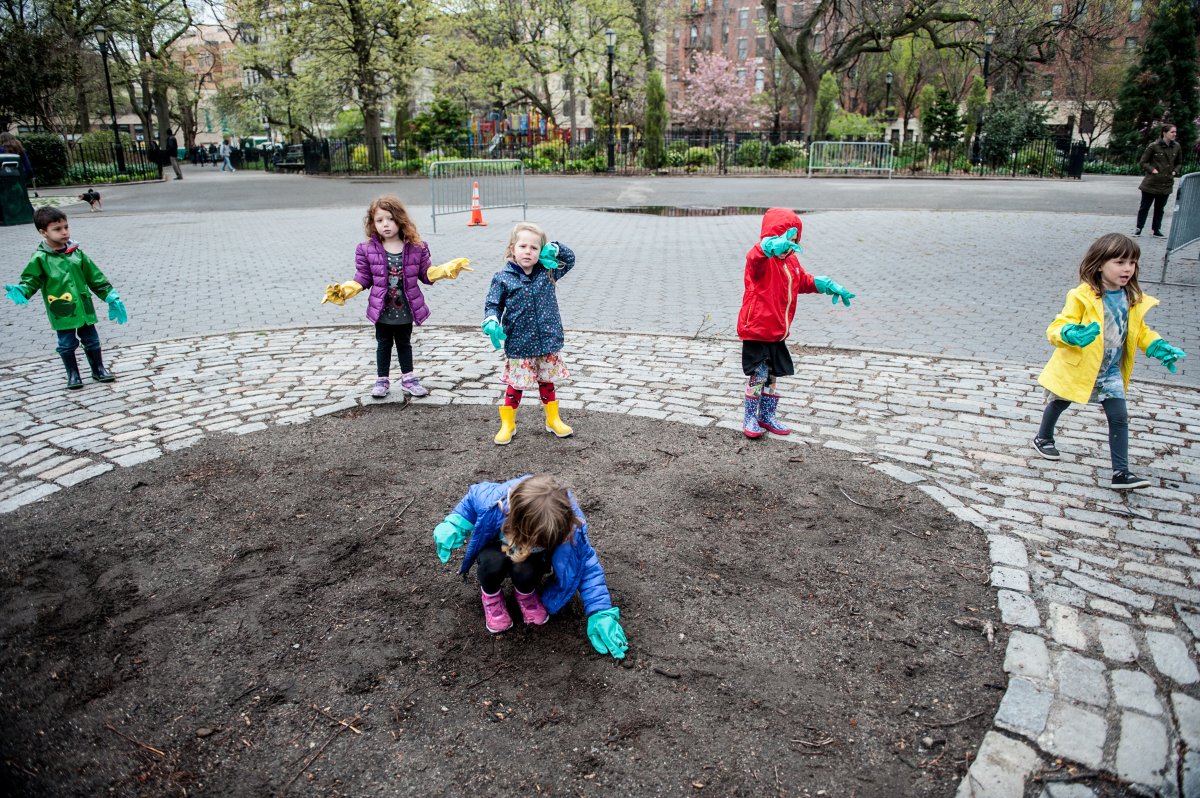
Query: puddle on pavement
x,y
671,210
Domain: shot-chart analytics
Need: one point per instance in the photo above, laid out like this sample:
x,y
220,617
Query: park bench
x,y
293,158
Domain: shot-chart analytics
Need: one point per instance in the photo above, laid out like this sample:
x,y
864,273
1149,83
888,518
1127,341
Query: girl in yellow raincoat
x,y
1096,337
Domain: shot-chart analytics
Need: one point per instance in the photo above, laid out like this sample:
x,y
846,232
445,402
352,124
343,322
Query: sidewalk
x,y
1101,592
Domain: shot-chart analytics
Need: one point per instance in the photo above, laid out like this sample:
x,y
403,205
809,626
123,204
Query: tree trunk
x,y
162,110
373,132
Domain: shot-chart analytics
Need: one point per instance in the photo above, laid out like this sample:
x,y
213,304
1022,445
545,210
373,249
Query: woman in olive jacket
x,y
1160,161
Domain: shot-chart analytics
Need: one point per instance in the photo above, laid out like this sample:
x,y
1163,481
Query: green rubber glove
x,y
1163,351
15,293
493,330
116,308
780,246
827,286
548,257
1078,334
605,633
450,534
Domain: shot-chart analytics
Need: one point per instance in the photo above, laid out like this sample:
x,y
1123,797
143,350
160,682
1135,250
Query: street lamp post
x,y
988,38
610,36
887,103
102,37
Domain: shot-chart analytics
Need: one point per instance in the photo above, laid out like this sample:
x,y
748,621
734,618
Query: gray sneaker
x,y
381,388
1046,448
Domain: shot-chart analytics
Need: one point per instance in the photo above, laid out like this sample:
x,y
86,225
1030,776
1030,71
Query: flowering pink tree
x,y
714,99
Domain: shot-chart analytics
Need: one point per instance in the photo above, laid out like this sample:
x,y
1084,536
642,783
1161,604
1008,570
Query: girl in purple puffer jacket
x,y
393,262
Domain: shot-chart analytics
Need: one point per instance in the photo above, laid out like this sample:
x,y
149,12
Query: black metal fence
x,y
91,162
699,152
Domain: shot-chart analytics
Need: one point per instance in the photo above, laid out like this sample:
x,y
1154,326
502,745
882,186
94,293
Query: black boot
x,y
96,361
74,382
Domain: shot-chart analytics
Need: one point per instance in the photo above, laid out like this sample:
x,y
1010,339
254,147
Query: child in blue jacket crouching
x,y
524,530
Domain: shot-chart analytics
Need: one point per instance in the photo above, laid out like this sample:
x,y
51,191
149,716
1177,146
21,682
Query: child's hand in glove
x,y
605,633
1167,354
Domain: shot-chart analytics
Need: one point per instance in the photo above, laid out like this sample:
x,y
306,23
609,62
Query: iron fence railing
x,y
97,162
702,152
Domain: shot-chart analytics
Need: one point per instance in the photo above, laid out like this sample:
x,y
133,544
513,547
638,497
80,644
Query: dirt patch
x,y
202,622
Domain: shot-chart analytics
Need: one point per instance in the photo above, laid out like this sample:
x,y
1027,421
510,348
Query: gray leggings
x,y
1118,428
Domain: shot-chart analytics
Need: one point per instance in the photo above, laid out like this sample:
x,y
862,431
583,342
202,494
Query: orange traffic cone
x,y
476,210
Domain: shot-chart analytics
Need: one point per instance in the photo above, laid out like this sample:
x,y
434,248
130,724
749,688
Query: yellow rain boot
x,y
508,425
554,423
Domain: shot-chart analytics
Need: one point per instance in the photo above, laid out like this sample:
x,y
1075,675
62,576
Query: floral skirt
x,y
524,373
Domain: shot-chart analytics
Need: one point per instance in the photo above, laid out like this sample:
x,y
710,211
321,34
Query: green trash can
x,y
15,207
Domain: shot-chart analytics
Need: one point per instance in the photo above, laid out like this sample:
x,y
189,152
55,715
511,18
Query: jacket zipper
x,y
788,308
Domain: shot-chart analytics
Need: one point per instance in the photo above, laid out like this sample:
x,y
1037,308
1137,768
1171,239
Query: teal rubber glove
x,y
450,534
1078,334
116,308
780,246
605,633
15,293
827,286
548,257
1163,351
493,330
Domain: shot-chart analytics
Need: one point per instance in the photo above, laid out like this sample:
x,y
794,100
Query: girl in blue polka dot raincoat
x,y
521,314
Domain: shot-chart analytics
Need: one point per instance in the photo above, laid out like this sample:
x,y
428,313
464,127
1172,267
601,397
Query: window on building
x,y
760,46
760,80
708,34
818,41
743,50
724,33
693,35
761,14
1131,42
1056,11
798,12
743,18
583,108
707,4
1135,10
741,77
1087,122
1108,12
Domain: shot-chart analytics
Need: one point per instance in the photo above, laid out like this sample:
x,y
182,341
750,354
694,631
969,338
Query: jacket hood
x,y
777,221
72,245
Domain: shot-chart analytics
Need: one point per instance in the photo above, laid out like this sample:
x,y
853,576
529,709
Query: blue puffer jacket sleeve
x,y
494,304
577,569
484,506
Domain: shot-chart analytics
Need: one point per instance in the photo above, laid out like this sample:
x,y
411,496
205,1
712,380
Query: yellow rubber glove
x,y
333,293
449,270
350,289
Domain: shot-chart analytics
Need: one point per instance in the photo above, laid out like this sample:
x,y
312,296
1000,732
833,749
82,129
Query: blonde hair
x,y
523,227
393,205
1105,248
539,514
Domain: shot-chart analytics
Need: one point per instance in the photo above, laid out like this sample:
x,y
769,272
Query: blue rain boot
x,y
750,424
767,418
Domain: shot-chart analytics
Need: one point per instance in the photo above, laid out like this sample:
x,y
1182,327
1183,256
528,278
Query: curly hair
x,y
393,205
1105,248
539,514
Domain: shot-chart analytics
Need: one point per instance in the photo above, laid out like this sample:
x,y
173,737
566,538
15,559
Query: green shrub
x,y
675,157
97,146
587,151
576,165
551,151
749,153
679,146
48,153
789,155
700,156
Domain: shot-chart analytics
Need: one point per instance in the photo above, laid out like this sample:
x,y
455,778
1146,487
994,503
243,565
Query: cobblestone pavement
x,y
973,284
1100,592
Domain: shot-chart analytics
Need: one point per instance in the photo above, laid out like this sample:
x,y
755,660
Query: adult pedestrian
x,y
225,152
1161,161
173,155
12,145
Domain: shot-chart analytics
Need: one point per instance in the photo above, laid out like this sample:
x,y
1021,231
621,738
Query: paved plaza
x,y
928,378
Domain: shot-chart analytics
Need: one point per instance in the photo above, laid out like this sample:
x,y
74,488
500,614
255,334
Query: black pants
x,y
1117,412
1160,202
385,336
493,565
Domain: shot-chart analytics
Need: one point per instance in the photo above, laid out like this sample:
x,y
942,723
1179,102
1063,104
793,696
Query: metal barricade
x,y
1185,221
501,185
851,156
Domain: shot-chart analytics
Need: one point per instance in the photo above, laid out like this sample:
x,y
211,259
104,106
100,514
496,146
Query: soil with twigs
x,y
265,615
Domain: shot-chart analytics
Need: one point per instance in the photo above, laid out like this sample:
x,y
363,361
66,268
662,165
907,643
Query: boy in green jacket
x,y
67,277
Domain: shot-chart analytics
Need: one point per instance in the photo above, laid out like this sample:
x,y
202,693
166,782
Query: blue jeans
x,y
227,165
68,340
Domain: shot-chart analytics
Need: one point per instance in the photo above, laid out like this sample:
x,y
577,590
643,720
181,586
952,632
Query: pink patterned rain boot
x,y
531,608
495,614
